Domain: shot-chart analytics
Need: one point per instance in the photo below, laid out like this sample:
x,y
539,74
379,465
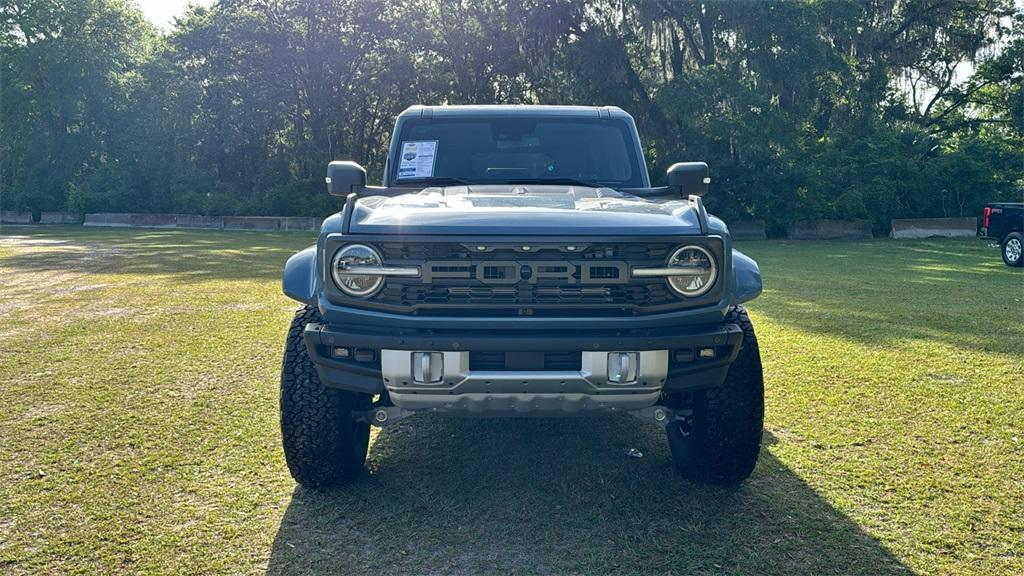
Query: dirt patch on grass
x,y
40,411
36,271
30,241
27,254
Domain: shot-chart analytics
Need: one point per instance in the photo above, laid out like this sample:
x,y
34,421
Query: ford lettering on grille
x,y
509,272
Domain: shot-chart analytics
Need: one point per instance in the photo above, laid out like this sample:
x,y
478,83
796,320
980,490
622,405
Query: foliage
x,y
839,109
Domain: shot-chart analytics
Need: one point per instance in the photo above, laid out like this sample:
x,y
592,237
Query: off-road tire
x,y
1010,247
323,444
721,441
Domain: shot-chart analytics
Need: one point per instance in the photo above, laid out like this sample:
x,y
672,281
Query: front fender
x,y
747,275
299,280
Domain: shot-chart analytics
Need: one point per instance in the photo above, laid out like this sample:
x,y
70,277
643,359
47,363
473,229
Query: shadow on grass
x,y
185,255
560,496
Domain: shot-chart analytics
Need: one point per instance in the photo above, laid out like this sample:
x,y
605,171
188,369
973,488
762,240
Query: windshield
x,y
595,151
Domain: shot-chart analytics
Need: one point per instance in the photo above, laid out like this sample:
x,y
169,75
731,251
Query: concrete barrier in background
x,y
743,230
263,223
831,230
7,217
297,223
197,221
59,218
117,220
153,221
193,221
934,227
749,230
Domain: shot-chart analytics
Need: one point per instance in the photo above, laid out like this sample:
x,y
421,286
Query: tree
x,y
68,71
803,109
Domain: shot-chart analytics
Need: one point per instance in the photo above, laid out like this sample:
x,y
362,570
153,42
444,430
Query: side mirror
x,y
345,177
689,177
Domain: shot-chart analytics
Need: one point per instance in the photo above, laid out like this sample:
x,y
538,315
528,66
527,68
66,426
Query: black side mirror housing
x,y
689,178
345,177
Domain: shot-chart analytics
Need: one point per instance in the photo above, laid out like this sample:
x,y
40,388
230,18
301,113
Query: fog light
x,y
427,367
622,367
707,352
341,352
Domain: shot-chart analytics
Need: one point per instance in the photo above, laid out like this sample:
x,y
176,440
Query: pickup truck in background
x,y
1004,221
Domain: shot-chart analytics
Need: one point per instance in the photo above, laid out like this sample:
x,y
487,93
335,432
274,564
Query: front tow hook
x,y
661,414
381,415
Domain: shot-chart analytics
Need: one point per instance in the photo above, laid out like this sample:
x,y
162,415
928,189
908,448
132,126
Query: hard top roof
x,y
492,110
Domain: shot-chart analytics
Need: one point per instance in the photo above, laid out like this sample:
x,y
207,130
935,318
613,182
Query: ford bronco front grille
x,y
524,279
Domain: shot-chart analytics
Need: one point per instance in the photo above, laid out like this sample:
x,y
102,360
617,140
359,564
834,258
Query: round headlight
x,y
697,271
344,269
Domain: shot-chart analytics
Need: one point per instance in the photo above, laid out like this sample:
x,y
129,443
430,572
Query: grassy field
x,y
138,379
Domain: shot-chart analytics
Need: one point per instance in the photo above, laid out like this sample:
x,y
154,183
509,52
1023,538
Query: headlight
x,y
345,269
692,271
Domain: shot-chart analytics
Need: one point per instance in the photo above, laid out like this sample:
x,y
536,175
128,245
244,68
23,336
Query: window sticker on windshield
x,y
417,160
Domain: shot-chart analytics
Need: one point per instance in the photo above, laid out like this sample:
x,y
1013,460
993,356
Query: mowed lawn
x,y
139,434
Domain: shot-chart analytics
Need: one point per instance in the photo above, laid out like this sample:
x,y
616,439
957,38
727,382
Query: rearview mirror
x,y
689,177
345,177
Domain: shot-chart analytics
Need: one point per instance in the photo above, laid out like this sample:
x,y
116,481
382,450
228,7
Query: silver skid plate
x,y
416,381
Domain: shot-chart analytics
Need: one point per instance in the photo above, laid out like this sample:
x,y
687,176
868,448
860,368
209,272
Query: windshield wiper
x,y
435,181
556,181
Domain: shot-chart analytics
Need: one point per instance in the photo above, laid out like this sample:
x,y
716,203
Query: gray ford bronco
x,y
517,262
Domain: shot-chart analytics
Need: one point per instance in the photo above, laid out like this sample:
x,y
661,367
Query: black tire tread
x,y
724,439
323,446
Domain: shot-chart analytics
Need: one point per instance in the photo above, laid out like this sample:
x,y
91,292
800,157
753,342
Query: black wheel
x,y
323,444
719,444
1011,249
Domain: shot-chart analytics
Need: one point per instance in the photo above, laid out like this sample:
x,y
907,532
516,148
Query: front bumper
x,y
456,386
371,361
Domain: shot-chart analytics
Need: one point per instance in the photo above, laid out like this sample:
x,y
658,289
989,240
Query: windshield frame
x,y
630,137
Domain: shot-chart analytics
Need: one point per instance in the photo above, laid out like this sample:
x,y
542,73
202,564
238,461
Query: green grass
x,y
138,379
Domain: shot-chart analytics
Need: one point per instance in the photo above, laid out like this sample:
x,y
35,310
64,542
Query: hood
x,y
522,209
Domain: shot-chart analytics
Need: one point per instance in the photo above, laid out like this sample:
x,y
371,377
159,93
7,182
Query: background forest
x,y
804,109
